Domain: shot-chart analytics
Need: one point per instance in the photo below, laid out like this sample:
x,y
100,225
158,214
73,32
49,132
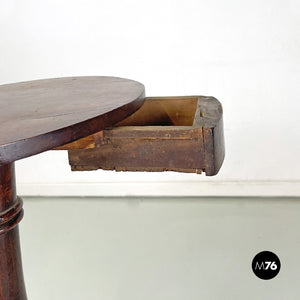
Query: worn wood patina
x,y
183,134
104,122
37,116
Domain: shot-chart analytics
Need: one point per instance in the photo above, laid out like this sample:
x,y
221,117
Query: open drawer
x,y
183,134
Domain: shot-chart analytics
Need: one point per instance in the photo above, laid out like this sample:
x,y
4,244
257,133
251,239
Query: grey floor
x,y
158,248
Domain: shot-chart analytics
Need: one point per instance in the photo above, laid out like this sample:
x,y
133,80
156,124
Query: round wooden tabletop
x,y
39,115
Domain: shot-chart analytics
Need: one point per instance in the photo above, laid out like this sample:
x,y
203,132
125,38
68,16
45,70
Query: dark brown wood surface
x,y
175,133
39,115
11,274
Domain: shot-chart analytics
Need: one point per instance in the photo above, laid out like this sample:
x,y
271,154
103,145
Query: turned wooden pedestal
x,y
77,114
11,212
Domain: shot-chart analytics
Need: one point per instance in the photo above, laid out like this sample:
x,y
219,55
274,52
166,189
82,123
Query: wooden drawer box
x,y
183,134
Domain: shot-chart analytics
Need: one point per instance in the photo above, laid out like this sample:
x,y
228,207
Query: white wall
x,y
245,53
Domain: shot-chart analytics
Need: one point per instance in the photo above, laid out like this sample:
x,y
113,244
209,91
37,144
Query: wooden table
x,y
40,115
76,114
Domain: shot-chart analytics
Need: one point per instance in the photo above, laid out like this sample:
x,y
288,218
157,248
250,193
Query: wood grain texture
x,y
39,115
183,134
175,133
11,274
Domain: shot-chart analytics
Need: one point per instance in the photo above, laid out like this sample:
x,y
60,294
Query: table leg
x,y
11,274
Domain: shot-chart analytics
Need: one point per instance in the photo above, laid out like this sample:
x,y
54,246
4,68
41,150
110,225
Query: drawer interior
x,y
170,111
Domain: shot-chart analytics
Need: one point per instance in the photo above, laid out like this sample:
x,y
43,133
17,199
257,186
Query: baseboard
x,y
182,188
